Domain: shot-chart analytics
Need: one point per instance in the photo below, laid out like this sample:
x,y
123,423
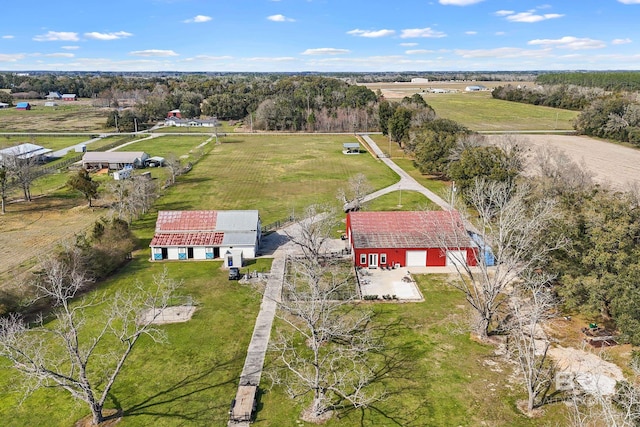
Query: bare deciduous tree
x,y
357,189
4,187
513,227
531,304
62,355
313,230
23,171
326,346
325,349
132,197
173,164
559,173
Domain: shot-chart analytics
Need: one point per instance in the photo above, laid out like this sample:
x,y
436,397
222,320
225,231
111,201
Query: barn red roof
x,y
408,229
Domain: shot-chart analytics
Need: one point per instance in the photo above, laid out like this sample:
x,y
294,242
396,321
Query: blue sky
x,y
319,35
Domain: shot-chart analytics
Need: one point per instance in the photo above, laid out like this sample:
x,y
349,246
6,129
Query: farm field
x,y
611,164
78,116
478,110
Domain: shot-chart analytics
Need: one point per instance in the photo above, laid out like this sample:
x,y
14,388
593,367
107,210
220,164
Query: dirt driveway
x,y
610,163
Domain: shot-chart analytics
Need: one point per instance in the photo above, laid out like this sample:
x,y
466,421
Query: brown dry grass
x,y
77,116
32,229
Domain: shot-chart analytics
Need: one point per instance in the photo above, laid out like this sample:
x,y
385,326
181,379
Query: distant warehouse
x,y
114,160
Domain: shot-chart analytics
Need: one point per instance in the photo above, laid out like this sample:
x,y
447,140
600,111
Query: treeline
x,y
610,81
560,96
604,114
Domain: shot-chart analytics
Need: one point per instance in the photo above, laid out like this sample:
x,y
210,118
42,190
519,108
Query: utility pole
x,y
135,124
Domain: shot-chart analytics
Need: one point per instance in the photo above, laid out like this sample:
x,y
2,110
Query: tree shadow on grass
x,y
187,399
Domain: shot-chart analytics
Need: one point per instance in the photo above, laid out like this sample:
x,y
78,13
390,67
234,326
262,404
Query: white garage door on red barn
x,y
416,258
456,258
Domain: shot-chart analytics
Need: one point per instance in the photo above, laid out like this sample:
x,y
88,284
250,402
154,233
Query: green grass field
x,y
276,174
46,141
447,378
480,112
188,381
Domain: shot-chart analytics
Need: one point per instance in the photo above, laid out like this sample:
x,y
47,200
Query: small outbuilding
x,y
4,105
54,96
23,106
50,104
174,113
351,148
409,239
207,235
69,97
114,160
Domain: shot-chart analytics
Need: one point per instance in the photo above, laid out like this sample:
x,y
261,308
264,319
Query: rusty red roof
x,y
187,239
408,229
181,221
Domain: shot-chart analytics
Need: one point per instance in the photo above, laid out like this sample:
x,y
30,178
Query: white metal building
x,y
205,235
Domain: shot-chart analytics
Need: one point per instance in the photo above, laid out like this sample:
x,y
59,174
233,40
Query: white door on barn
x,y
416,258
373,260
456,258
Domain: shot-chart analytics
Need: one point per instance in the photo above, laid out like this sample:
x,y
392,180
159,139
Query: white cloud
x,y
500,33
59,55
459,2
209,58
569,42
501,52
371,34
530,17
70,47
621,41
325,51
153,52
94,35
417,51
280,18
408,44
198,19
8,36
270,59
471,33
52,36
629,1
421,32
504,12
11,57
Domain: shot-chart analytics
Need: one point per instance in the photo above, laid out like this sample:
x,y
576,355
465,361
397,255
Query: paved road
x,y
407,182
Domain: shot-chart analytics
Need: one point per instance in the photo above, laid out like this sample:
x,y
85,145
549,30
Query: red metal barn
x,y
409,239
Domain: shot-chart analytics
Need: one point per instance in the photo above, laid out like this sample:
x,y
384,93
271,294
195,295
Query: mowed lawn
x,y
480,112
188,381
279,175
443,378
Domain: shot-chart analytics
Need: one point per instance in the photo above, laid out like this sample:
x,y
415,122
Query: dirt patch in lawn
x,y
174,314
593,374
611,164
